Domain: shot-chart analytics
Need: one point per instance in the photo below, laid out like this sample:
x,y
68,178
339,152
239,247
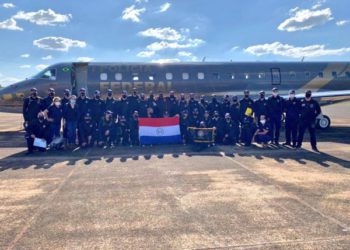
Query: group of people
x,y
111,122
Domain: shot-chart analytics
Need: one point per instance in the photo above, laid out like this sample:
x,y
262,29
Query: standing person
x,y
97,107
110,101
87,130
184,124
194,104
125,132
71,118
214,105
260,106
225,106
182,104
275,107
309,110
171,104
55,115
83,103
133,100
47,101
292,109
160,105
235,115
123,105
218,124
248,127
134,129
152,102
262,134
38,128
65,98
246,103
31,107
203,103
143,106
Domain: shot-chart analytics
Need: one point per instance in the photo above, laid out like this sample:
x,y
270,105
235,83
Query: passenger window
x,y
118,76
151,77
320,74
292,74
216,76
135,77
200,76
103,76
334,74
232,76
185,76
246,76
169,76
307,74
261,75
49,74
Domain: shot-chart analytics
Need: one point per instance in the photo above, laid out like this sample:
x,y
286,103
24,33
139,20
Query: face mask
x,y
262,96
263,122
34,94
97,97
88,120
52,94
307,95
246,95
151,96
227,119
66,94
274,94
57,104
82,94
291,96
41,118
216,116
72,102
110,94
214,99
124,96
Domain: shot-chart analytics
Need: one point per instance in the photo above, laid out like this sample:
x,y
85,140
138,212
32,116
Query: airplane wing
x,y
322,94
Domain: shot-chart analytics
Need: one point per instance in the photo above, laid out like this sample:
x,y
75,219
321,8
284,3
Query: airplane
x,y
329,81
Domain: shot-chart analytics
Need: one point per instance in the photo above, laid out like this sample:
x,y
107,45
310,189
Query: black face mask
x,y
124,96
246,96
216,116
34,94
151,96
66,94
52,94
109,94
97,97
41,118
308,95
82,94
262,96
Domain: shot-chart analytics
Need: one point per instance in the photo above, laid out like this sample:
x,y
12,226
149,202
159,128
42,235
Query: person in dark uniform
x,y
134,129
182,104
229,131
203,103
217,123
133,100
262,134
260,106
292,109
248,128
123,105
152,102
171,104
31,107
83,103
55,115
87,130
160,105
110,101
194,104
275,107
47,101
207,119
150,113
235,115
143,106
184,124
97,107
106,130
245,103
194,119
225,106
38,128
214,105
71,118
65,98
125,132
309,110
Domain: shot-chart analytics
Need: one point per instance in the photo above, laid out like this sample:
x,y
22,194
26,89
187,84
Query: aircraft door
x,y
79,77
275,76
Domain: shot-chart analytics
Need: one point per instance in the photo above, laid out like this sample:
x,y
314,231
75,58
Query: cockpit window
x,y
46,74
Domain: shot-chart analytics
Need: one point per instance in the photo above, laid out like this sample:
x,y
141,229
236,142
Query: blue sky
x,y
38,33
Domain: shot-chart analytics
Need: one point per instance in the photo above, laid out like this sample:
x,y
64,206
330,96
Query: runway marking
x,y
279,243
39,210
344,227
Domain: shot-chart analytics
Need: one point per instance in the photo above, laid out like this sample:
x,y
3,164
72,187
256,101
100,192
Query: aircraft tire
x,y
324,122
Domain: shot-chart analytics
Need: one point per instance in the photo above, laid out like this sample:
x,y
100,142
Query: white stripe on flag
x,y
159,131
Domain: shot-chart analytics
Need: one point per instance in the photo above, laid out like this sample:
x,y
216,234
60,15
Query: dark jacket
x,y
31,108
55,113
275,107
71,114
309,110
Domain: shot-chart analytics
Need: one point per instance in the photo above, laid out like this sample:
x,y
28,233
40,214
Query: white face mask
x,y
263,122
291,96
57,104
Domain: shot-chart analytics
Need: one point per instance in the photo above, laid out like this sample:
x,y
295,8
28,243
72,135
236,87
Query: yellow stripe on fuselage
x,y
318,83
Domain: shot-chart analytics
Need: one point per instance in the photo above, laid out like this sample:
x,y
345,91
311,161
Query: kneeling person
x,y
87,131
262,134
40,129
106,130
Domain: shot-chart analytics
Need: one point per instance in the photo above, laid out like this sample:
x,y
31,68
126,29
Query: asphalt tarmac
x,y
175,197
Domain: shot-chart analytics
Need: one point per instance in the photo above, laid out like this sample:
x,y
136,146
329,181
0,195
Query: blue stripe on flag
x,y
146,140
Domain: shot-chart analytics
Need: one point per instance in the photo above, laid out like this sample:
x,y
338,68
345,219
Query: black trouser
x,y
275,128
311,126
291,131
30,142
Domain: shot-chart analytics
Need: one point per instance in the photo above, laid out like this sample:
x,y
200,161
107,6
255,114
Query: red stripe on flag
x,y
159,122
